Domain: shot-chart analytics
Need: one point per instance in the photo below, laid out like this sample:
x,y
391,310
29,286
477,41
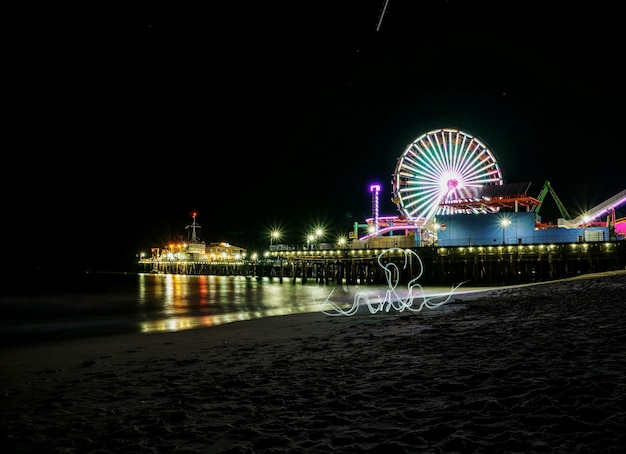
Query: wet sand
x,y
536,368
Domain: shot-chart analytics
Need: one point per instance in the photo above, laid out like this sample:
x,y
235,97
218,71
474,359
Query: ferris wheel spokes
x,y
440,167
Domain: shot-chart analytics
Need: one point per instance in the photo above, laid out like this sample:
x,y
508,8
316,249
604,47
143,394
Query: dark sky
x,y
262,114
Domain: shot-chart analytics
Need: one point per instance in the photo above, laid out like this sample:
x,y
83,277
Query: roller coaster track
x,y
599,210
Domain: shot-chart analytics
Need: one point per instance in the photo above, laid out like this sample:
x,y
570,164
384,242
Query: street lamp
x,y
505,222
314,237
310,240
274,235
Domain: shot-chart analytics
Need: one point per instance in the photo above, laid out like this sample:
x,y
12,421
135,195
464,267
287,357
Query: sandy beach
x,y
536,368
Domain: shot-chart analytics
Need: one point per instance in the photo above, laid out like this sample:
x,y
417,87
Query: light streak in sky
x,y
391,298
382,14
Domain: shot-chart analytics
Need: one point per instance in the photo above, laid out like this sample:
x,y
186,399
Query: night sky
x,y
280,114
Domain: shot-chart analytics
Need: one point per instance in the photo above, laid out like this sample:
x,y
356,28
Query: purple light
x,y
375,189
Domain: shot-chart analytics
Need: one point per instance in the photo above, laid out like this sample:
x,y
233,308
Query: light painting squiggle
x,y
415,301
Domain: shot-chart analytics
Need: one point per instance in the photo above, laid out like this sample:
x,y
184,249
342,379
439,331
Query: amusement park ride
x,y
447,172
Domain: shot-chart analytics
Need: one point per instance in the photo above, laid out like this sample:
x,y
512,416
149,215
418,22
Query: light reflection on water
x,y
189,301
179,323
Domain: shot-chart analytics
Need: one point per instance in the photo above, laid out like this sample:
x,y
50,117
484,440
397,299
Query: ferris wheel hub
x,y
453,183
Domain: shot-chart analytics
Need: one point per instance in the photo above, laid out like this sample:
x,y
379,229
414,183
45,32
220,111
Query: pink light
x,y
375,189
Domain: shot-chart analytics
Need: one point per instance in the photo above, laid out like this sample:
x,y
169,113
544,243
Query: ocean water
x,y
79,305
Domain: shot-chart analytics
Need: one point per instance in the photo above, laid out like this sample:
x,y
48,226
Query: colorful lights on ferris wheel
x,y
441,166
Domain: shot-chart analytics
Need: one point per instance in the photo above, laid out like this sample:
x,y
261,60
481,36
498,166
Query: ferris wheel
x,y
439,168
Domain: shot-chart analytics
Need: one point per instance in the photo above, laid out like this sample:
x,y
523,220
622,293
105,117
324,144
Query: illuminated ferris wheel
x,y
439,168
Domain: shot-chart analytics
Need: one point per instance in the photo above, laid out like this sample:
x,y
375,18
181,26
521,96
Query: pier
x,y
433,265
